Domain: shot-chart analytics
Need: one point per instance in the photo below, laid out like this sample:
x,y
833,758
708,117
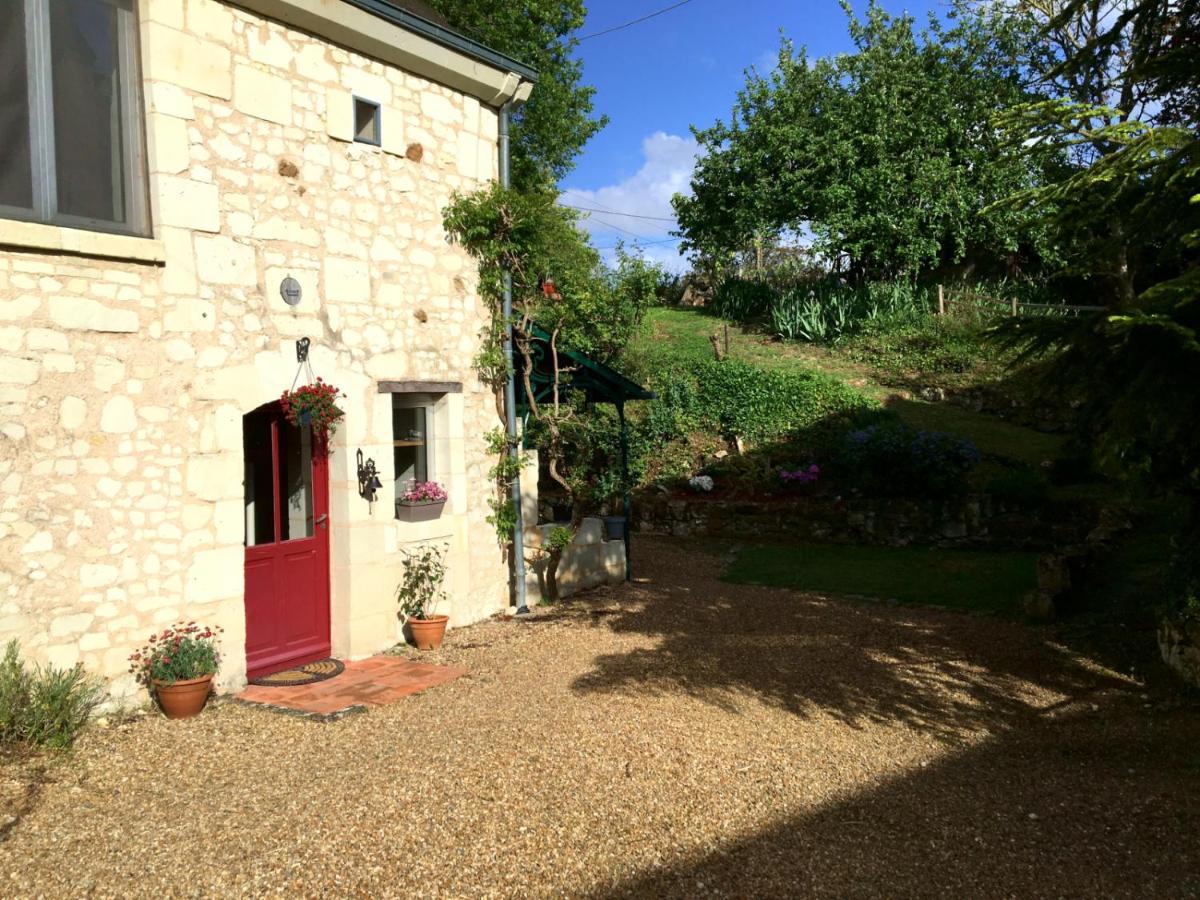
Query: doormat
x,y
309,673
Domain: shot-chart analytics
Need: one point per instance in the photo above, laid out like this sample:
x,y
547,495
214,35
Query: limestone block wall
x,y
126,364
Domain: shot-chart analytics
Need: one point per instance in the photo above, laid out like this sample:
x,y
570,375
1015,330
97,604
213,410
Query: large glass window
x,y
16,177
70,113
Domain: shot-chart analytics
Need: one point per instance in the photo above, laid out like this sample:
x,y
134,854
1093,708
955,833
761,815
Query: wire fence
x,y
947,299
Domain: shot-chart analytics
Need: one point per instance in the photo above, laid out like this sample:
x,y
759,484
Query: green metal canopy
x,y
598,383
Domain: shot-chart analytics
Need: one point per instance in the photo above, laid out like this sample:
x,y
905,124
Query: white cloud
x,y
666,171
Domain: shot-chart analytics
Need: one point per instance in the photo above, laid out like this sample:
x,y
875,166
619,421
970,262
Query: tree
x,y
562,298
1137,362
886,154
551,129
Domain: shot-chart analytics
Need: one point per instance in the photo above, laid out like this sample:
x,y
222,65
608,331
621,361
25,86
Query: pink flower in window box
x,y
420,501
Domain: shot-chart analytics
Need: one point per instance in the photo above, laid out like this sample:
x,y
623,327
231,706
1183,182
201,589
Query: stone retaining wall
x,y
972,521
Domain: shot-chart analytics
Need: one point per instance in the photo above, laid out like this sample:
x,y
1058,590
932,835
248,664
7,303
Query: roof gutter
x,y
444,36
378,29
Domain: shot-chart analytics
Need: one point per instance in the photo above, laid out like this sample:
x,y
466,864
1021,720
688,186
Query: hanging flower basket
x,y
314,405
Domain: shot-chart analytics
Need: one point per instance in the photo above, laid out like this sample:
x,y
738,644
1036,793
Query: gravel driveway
x,y
678,737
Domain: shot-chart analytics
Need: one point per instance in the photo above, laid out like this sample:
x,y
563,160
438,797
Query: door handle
x,y
322,518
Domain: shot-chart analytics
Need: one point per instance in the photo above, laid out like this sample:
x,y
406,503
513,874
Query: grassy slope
x,y
982,580
683,334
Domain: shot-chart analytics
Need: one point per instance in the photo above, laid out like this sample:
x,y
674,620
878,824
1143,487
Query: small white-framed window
x,y
367,121
72,151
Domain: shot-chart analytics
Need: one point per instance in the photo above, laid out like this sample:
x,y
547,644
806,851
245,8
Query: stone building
x,y
189,188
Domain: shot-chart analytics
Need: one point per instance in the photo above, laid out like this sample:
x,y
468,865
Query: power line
x,y
618,213
617,227
665,9
643,243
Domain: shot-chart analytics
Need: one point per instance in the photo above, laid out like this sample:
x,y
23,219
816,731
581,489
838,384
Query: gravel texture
x,y
674,737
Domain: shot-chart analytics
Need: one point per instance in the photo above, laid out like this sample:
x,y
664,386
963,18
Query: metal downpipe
x,y
510,393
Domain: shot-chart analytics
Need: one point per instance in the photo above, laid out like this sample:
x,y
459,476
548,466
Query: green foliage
x,y
179,653
886,154
559,539
983,580
1128,207
1021,486
420,588
46,707
531,238
507,468
739,400
929,346
742,299
888,458
825,311
551,129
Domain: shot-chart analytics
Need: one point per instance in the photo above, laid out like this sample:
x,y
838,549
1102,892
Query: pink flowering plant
x,y
423,493
179,653
800,476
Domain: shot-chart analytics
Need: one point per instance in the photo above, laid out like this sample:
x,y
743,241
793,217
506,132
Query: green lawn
x,y
981,580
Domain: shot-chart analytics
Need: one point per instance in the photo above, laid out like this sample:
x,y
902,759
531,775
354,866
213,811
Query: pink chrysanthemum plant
x,y
180,653
422,493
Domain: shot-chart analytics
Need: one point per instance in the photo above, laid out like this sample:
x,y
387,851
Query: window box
x,y
418,512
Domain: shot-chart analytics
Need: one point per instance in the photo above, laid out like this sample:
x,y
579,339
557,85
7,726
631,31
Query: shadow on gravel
x,y
1096,793
1101,803
942,673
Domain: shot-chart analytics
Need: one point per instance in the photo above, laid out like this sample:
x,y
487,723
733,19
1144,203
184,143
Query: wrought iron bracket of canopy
x,y
597,383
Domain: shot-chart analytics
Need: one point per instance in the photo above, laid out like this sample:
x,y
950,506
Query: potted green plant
x,y
177,665
420,591
421,501
314,405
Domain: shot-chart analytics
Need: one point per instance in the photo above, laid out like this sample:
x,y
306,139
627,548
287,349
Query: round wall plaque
x,y
289,289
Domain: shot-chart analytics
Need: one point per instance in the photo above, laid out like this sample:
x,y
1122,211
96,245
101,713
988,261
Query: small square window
x,y
366,121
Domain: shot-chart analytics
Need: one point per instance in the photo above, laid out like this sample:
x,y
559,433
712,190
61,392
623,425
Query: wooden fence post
x,y
941,301
1015,309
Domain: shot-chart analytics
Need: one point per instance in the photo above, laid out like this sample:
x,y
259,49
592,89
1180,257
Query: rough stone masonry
x,y
127,364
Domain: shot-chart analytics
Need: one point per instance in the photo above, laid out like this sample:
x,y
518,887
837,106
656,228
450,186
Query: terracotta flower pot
x,y
183,699
427,633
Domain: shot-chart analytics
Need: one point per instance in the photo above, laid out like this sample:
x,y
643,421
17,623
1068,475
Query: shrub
x,y
931,346
826,311
740,400
420,588
46,707
741,300
893,459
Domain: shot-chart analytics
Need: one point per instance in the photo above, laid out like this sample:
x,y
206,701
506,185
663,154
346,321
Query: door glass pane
x,y
86,88
16,179
260,505
411,448
295,482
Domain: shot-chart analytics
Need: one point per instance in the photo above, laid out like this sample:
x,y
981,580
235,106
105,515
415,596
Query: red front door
x,y
287,544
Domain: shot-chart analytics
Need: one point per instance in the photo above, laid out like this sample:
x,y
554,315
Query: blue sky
x,y
659,77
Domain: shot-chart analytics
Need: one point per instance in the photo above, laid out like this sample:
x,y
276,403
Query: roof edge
x,y
378,29
445,36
